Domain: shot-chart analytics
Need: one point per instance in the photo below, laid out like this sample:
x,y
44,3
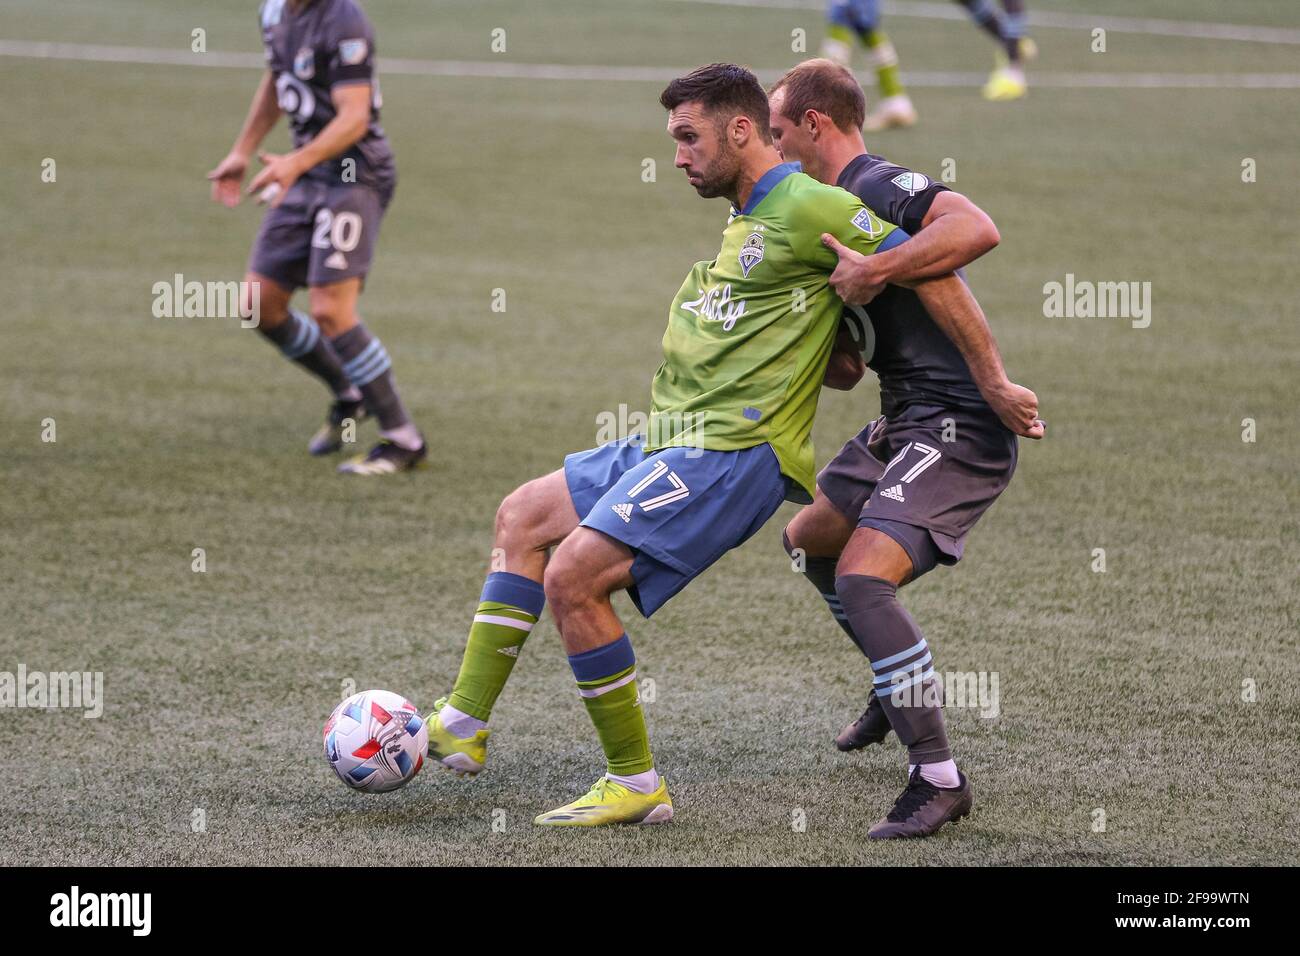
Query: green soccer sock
x,y
885,59
508,608
607,682
842,34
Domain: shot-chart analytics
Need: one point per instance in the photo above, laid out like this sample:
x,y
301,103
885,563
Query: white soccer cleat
x,y
837,51
892,111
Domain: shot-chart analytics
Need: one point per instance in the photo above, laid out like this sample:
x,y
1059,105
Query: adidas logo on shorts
x,y
895,492
624,511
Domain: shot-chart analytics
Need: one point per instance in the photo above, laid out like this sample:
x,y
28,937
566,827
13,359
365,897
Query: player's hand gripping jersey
x,y
749,333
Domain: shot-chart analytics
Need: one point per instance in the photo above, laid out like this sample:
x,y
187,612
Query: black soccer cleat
x,y
329,438
386,458
871,728
923,808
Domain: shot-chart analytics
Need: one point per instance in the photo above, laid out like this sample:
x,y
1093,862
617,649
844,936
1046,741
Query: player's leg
x,y
585,570
531,519
874,565
895,106
366,361
841,35
850,21
986,17
652,532
296,335
1007,82
345,227
817,536
278,264
814,540
1015,40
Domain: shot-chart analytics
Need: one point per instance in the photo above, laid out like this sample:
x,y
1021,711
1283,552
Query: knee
x,y
517,517
567,586
511,514
332,318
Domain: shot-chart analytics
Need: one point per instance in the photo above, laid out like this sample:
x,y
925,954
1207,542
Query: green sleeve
x,y
840,213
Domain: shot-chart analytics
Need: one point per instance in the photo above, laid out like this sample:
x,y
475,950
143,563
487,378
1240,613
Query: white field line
x,y
495,69
1195,29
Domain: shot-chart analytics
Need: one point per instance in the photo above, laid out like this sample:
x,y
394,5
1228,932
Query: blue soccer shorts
x,y
678,509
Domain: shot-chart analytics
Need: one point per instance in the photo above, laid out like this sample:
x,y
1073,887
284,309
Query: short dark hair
x,y
724,90
825,86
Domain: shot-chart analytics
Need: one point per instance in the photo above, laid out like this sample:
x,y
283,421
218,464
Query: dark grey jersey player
x,y
901,495
327,199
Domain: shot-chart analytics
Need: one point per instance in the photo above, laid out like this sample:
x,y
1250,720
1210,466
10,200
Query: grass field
x,y
1120,691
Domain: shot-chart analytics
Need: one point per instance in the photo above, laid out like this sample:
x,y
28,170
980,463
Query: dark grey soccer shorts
x,y
900,477
321,233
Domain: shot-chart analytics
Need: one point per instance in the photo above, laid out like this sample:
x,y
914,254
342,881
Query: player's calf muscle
x,y
587,568
819,530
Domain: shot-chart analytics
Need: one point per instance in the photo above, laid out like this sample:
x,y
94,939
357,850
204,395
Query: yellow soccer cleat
x,y
461,755
1006,83
609,802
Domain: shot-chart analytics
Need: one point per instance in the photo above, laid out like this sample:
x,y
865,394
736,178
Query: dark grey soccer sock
x,y
1013,27
902,663
299,340
986,16
367,364
821,573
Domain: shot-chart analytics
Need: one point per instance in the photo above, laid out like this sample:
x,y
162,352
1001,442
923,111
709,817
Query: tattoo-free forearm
x,y
263,113
351,119
950,303
955,232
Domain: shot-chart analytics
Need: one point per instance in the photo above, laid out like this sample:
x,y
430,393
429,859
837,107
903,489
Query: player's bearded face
x,y
704,152
717,177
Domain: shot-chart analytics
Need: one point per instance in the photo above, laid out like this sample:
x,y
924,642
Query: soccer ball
x,y
376,741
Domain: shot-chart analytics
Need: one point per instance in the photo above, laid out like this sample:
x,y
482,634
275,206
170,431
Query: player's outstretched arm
x,y
263,113
955,232
955,311
350,122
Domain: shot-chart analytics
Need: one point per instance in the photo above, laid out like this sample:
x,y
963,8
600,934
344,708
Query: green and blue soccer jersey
x,y
749,334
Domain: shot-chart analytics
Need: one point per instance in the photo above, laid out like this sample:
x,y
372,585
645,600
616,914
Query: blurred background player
x,y
1008,28
327,198
850,22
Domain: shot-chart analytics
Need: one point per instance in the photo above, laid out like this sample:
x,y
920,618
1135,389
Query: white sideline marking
x,y
1194,29
493,69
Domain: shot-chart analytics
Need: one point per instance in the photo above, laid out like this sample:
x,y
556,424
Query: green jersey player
x,y
732,404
